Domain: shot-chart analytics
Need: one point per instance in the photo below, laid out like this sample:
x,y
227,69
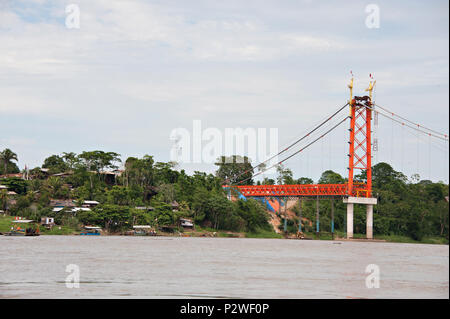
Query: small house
x,y
110,177
62,203
48,222
63,174
186,223
59,204
175,206
90,203
75,210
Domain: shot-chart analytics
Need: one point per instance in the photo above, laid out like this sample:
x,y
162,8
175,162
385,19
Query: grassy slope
x,y
57,231
5,223
5,226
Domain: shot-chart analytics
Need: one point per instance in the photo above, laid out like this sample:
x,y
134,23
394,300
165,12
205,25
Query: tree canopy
x,y
408,207
7,159
235,169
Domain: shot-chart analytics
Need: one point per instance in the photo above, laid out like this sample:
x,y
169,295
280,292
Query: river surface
x,y
166,267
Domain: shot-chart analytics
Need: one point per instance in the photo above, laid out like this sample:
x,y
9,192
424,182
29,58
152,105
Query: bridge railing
x,y
359,190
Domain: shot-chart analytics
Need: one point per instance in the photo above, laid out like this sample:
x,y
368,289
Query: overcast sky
x,y
135,70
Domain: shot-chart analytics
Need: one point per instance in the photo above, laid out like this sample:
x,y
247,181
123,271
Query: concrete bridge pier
x,y
369,221
369,202
349,220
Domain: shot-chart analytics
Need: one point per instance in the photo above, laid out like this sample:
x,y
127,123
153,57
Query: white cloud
x,y
137,69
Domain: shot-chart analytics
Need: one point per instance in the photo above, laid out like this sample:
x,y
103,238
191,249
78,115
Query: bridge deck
x,y
300,190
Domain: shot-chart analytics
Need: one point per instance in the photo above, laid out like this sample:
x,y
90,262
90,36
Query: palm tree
x,y
6,157
53,185
71,159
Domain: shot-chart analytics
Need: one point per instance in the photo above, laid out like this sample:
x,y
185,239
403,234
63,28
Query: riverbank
x,y
5,225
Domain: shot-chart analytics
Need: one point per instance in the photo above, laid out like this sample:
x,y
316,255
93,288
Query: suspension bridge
x,y
353,192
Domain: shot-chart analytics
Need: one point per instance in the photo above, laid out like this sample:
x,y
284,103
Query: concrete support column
x,y
332,218
349,220
369,202
300,215
369,221
317,216
285,216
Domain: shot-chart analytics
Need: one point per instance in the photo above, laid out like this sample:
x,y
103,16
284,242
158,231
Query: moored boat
x,y
23,227
143,230
91,231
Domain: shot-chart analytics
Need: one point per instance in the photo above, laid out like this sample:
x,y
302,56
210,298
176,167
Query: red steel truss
x,y
298,190
360,155
360,158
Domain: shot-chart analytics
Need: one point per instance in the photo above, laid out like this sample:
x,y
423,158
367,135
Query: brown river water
x,y
169,267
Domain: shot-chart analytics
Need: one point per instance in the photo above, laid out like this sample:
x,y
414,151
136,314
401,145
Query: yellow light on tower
x,y
350,86
371,86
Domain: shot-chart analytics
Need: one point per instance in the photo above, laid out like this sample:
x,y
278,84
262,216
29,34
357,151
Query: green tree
x,y
305,181
384,174
71,160
164,215
15,184
4,199
99,160
285,175
139,171
166,193
119,195
235,169
113,217
55,164
53,185
254,215
268,181
330,177
36,173
164,173
6,159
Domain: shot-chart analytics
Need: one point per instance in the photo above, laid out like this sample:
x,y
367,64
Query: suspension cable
x,y
300,150
295,142
411,122
435,143
445,138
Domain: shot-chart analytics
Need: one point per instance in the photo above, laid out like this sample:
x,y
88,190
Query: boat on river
x,y
23,227
141,230
91,231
